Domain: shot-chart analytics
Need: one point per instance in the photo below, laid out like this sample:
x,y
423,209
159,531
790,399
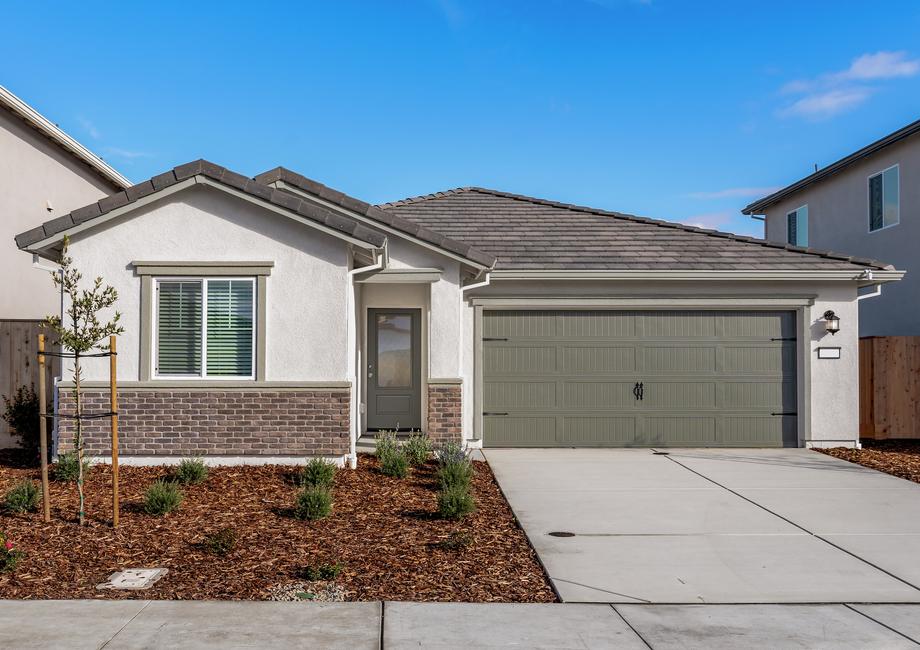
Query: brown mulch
x,y
897,457
383,529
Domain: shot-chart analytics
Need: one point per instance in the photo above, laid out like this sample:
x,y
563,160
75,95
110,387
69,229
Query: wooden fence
x,y
889,387
19,364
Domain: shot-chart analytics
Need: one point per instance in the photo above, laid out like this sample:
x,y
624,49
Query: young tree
x,y
80,334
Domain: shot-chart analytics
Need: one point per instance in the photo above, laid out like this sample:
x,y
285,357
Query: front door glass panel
x,y
394,350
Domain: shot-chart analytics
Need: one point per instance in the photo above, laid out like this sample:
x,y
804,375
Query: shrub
x,y
162,497
318,473
458,539
67,467
418,448
221,542
313,503
21,413
9,555
22,497
456,475
323,571
191,470
450,452
395,463
385,444
455,503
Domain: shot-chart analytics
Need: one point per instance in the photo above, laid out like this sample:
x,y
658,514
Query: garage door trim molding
x,y
632,302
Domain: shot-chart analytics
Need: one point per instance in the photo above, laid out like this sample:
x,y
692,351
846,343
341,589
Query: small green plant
x,y
21,413
22,497
162,497
455,503
450,452
313,503
456,475
395,464
457,540
190,471
318,473
418,448
67,467
385,444
9,554
221,542
323,571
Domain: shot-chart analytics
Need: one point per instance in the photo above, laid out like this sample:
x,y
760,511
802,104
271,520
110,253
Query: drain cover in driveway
x,y
133,579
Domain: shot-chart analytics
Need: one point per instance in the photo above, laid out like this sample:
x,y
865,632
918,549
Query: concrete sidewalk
x,y
230,625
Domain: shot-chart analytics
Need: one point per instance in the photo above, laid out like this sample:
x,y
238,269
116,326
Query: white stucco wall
x,y
306,297
33,171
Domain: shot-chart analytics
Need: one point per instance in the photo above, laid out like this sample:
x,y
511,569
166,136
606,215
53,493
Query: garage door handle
x,y
638,390
492,413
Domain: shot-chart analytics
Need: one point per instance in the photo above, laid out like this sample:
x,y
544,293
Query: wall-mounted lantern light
x,y
832,322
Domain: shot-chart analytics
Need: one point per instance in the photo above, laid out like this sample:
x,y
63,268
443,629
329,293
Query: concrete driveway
x,y
715,526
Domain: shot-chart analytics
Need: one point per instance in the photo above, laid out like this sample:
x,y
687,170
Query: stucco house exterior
x,y
276,317
868,204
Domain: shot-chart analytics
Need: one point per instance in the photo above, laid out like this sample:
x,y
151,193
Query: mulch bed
x,y
383,529
897,457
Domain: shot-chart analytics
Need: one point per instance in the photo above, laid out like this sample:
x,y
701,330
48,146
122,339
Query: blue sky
x,y
672,109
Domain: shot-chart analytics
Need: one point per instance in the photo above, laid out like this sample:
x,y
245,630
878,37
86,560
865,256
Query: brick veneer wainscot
x,y
215,422
445,414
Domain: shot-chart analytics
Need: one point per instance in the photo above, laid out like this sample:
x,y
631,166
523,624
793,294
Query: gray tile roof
x,y
527,233
395,222
306,209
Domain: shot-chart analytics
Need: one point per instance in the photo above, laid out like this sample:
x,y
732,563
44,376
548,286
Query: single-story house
x,y
276,317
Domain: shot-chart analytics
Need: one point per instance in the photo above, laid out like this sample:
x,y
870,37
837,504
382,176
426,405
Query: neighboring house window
x,y
797,226
205,328
884,199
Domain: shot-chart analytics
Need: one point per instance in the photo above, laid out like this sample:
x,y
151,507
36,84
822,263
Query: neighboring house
x,y
278,317
868,204
44,173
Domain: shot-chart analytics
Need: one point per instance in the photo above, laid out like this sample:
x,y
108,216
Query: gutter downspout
x,y
476,285
871,294
37,264
382,259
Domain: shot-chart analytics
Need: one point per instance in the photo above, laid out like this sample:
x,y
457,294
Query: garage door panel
x,y
525,360
762,359
680,430
597,395
512,431
679,359
598,430
504,395
710,378
595,359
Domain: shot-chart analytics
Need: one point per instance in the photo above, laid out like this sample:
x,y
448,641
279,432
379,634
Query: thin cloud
x,y
127,153
734,193
709,220
89,127
837,92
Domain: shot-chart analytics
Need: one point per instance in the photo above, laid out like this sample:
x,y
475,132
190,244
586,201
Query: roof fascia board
x,y
198,179
282,185
59,137
757,207
400,276
657,302
877,276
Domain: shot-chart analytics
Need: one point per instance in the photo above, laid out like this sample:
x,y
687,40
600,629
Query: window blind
x,y
230,328
179,328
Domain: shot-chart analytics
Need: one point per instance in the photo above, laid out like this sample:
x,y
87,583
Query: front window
x,y
205,328
884,199
797,226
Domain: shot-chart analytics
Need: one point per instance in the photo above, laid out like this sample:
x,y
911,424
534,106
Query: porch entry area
x,y
394,369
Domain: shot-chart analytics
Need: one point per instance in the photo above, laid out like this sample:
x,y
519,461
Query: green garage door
x,y
645,379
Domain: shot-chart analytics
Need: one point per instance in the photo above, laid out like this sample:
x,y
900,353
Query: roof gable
x,y
384,219
529,233
52,231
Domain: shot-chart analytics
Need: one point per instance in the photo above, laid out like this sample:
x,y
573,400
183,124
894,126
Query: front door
x,y
394,369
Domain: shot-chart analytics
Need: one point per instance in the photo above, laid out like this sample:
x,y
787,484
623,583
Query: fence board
x,y
889,387
19,363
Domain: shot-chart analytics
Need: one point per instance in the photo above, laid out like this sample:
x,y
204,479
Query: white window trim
x,y
796,210
155,316
869,199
